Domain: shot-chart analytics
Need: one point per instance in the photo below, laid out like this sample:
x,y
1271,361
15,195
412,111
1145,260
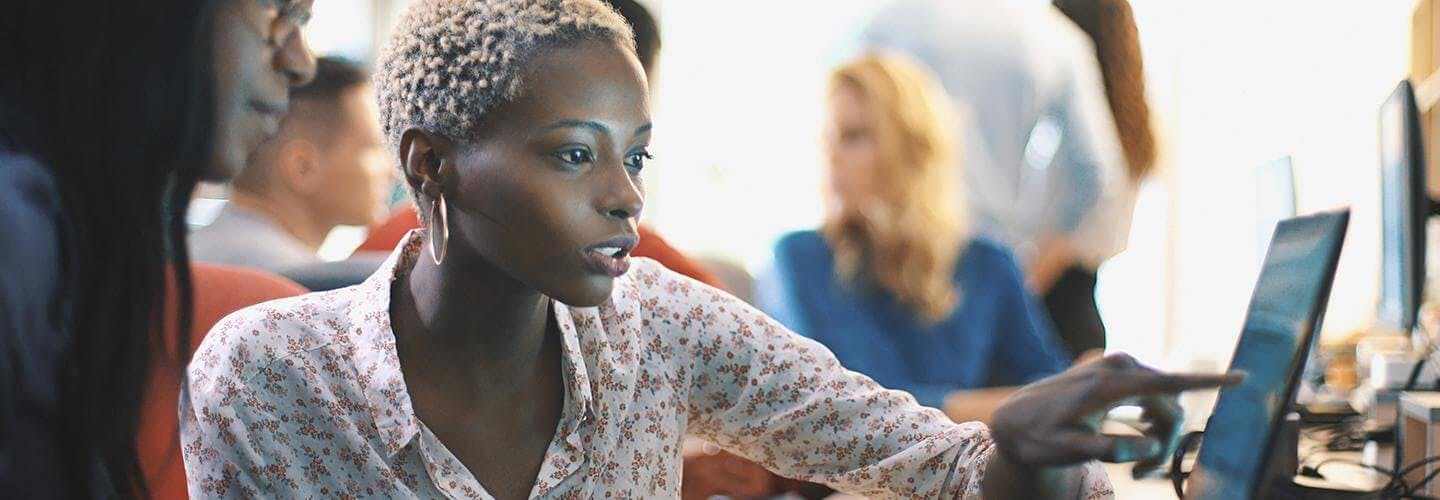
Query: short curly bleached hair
x,y
449,62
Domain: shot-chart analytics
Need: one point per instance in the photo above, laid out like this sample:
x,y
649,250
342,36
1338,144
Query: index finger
x,y
1144,383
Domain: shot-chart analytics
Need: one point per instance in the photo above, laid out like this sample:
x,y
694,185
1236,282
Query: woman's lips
x,y
610,257
609,264
271,114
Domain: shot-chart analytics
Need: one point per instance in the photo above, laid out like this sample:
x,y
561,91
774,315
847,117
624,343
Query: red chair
x,y
384,237
219,291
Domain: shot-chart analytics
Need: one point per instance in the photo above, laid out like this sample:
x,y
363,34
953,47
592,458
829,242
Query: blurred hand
x,y
721,473
1056,421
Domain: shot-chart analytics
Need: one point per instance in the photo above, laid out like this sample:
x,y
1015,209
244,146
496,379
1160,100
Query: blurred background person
x,y
326,168
1040,144
110,112
892,282
1064,271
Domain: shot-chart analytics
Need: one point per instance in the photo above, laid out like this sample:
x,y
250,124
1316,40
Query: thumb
x,y
1112,448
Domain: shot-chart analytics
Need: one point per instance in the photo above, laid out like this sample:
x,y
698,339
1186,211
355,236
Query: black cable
x,y
1415,373
1177,476
1408,491
1424,481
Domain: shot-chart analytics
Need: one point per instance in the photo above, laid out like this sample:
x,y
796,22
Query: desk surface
x,y
1128,487
1337,468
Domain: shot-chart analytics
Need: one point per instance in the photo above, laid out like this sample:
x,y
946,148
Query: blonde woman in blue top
x,y
892,282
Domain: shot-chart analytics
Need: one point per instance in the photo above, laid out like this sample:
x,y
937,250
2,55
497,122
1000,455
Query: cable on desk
x,y
1396,488
1411,491
1177,476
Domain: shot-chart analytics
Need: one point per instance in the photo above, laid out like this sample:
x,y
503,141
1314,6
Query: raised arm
x,y
783,401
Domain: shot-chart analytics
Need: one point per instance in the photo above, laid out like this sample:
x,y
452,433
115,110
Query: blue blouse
x,y
997,336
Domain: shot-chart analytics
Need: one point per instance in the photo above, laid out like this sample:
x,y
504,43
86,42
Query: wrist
x,y
1007,477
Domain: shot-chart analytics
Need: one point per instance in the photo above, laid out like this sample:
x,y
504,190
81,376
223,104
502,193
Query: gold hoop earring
x,y
440,234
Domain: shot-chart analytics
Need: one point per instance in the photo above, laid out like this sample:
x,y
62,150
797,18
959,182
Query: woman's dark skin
x,y
557,170
547,175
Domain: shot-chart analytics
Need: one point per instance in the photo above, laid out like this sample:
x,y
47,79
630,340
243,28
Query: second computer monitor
x,y
1405,207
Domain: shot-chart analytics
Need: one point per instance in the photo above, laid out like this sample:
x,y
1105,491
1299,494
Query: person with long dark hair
x,y
1065,269
110,112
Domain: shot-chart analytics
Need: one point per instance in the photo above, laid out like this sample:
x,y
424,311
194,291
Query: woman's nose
x,y
623,198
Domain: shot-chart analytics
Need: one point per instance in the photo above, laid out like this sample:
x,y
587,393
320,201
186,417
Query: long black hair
x,y
115,99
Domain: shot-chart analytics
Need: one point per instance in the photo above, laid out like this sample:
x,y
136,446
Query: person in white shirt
x,y
1043,163
325,168
1065,271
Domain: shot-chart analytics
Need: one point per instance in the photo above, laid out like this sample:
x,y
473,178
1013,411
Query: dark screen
x,y
1279,328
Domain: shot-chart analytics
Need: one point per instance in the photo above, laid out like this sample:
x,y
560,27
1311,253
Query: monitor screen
x,y
1279,328
1274,199
1404,207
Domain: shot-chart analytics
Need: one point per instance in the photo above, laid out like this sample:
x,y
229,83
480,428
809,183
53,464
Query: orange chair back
x,y
384,237
219,291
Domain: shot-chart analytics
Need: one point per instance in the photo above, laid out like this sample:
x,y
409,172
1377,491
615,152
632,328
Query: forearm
x,y
1052,258
1007,479
975,405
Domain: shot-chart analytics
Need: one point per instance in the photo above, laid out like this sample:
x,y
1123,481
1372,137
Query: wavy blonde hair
x,y
906,237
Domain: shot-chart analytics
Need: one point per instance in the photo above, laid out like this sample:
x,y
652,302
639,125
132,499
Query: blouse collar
x,y
378,365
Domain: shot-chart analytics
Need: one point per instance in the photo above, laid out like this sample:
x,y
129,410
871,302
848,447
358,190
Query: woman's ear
x,y
423,157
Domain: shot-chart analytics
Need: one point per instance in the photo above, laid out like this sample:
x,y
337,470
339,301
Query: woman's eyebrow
x,y
587,124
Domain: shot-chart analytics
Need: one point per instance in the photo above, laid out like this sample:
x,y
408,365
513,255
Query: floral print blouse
x,y
304,397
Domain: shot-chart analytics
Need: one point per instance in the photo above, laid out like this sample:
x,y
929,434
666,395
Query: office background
x,y
1233,84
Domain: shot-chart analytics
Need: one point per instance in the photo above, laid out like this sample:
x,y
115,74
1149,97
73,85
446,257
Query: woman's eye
x,y
575,156
637,160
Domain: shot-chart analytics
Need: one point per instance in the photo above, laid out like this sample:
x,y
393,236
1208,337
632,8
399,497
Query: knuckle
x,y
1120,360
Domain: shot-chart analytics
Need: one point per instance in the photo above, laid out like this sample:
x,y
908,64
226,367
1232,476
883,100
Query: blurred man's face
x,y
354,164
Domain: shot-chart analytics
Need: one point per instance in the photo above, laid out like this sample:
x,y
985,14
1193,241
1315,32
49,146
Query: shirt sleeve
x,y
228,434
784,402
1089,156
254,428
235,470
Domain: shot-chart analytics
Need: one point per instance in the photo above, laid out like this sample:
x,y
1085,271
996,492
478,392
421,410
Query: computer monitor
x,y
1280,328
1405,207
1274,199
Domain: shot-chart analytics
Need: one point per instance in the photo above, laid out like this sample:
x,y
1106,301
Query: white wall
x,y
1237,83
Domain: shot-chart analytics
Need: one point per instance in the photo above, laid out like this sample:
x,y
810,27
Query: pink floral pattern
x,y
304,397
